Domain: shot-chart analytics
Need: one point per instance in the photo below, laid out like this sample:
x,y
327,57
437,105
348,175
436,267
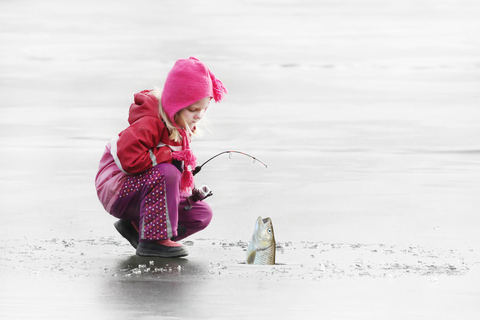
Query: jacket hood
x,y
145,104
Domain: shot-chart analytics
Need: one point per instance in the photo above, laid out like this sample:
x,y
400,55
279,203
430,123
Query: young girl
x,y
145,174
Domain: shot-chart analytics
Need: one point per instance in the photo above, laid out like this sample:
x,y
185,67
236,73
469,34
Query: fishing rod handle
x,y
196,170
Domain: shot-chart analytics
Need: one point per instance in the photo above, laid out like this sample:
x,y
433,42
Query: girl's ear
x,y
176,117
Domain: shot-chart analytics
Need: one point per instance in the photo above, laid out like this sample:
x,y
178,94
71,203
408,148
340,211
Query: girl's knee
x,y
194,220
205,213
170,173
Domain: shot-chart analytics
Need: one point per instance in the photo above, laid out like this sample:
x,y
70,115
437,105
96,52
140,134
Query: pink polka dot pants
x,y
148,191
152,200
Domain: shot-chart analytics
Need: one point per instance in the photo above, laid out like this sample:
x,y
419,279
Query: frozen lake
x,y
366,112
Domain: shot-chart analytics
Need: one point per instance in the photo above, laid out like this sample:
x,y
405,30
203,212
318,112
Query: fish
x,y
261,249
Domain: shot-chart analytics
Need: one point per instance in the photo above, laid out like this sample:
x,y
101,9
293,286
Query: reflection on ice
x,y
152,267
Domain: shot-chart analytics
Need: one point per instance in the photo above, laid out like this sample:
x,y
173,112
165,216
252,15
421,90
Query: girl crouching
x,y
145,174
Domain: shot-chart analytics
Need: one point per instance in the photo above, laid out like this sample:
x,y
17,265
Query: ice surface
x,y
366,113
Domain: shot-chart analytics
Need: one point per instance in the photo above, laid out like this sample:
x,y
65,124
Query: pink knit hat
x,y
189,81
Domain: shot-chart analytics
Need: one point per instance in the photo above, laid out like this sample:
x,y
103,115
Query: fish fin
x,y
251,257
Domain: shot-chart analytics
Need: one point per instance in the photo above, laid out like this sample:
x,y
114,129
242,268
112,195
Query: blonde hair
x,y
172,128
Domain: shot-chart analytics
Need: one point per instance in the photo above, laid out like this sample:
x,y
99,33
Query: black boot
x,y
128,230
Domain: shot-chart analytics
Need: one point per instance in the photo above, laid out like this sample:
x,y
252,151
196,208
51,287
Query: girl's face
x,y
193,113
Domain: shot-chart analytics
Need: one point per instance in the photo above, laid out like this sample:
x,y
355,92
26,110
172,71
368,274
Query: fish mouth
x,y
265,220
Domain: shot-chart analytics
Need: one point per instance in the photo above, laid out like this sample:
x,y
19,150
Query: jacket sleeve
x,y
136,147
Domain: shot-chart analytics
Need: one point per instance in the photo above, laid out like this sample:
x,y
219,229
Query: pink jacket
x,y
141,146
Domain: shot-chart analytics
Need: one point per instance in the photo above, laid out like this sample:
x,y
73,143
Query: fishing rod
x,y
204,192
198,168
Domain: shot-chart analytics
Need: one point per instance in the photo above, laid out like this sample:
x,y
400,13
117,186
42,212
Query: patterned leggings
x,y
153,201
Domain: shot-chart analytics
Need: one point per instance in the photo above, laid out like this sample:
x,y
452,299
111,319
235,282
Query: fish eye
x,y
269,231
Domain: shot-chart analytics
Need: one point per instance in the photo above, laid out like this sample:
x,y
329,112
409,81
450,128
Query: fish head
x,y
264,235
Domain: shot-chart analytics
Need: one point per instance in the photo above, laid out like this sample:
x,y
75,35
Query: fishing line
x,y
198,168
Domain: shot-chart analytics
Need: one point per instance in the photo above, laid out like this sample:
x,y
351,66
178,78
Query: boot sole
x,y
161,251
